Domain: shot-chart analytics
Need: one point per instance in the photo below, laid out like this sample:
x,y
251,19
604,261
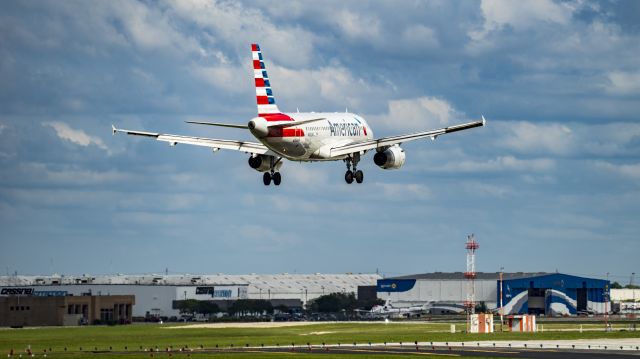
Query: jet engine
x,y
391,158
262,163
258,127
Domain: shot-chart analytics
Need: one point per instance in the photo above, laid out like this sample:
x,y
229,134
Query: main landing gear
x,y
268,176
356,174
272,174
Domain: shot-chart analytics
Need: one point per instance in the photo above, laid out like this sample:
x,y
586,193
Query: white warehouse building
x,y
155,294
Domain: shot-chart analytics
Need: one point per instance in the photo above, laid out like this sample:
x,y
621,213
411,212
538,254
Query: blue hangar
x,y
553,295
541,293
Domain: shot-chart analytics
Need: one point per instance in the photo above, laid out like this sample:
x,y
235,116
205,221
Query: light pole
x,y
501,309
606,304
633,290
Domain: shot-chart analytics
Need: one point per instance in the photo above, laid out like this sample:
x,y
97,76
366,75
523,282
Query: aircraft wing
x,y
385,142
242,146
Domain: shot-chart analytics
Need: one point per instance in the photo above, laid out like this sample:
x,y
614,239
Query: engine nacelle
x,y
258,127
391,158
262,163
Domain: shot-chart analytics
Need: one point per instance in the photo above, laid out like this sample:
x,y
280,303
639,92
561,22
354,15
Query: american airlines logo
x,y
345,129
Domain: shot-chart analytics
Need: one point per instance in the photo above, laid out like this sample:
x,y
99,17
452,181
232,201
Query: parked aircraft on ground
x,y
304,137
389,311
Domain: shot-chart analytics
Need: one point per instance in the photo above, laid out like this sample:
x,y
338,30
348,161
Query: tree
x,y
193,306
335,302
615,285
187,306
207,307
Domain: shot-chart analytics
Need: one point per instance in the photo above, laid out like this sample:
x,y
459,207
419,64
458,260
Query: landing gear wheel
x,y
348,177
359,176
277,178
266,178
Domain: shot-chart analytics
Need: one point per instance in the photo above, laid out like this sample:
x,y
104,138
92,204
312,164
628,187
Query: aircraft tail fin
x,y
264,95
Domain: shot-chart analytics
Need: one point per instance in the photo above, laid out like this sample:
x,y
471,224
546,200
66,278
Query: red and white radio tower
x,y
472,245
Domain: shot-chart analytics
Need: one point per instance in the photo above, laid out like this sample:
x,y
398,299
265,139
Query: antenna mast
x,y
471,245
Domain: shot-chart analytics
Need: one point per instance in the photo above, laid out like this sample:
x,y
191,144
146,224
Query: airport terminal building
x,y
552,294
156,295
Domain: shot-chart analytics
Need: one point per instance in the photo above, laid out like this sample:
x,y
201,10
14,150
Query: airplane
x,y
389,311
304,137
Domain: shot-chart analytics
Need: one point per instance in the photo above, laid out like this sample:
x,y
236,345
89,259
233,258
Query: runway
x,y
457,352
582,348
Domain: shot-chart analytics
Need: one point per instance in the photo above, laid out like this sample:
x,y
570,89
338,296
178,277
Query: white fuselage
x,y
312,141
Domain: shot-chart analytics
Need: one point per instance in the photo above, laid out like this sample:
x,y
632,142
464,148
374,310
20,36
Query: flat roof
x,y
479,275
276,283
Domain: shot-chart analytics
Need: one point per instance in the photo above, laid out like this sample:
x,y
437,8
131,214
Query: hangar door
x,y
537,300
581,299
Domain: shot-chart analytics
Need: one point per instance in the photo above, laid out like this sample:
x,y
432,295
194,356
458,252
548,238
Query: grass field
x,y
80,341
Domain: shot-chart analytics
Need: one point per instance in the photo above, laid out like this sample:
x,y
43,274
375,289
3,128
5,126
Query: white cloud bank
x,y
623,83
528,137
77,137
521,15
422,113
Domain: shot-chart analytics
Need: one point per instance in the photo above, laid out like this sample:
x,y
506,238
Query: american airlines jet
x,y
304,137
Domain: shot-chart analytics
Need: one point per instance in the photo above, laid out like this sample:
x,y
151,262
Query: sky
x,y
552,183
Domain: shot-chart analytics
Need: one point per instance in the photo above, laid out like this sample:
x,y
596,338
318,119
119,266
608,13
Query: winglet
x,y
484,122
113,129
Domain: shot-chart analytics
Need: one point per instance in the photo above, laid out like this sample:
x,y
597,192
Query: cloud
x,y
263,239
623,83
72,175
327,88
420,37
232,79
420,113
501,163
487,189
303,175
520,15
78,137
357,26
528,137
556,80
631,171
404,191
239,25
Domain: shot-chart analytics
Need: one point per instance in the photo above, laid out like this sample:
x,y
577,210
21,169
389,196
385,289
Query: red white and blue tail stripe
x,y
264,94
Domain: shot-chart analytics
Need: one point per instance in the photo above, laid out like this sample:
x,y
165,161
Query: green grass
x,y
152,335
252,355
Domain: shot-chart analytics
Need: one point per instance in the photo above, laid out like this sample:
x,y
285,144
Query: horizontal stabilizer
x,y
218,124
295,123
